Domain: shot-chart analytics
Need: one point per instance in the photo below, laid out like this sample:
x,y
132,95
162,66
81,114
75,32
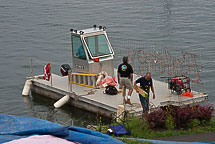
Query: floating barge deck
x,y
94,100
92,53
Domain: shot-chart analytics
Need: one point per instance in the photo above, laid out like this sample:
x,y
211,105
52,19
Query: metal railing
x,y
88,80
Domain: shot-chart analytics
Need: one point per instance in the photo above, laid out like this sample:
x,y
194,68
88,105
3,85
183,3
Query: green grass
x,y
135,142
140,129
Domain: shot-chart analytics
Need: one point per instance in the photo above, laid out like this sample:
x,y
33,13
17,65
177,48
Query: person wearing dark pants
x,y
145,84
125,77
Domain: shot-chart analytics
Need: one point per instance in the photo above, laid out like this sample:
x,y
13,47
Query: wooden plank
x,y
142,92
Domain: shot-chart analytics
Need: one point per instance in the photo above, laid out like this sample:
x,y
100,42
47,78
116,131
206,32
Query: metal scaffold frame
x,y
145,58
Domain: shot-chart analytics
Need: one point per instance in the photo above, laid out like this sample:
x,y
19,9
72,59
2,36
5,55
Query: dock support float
x,y
27,88
66,98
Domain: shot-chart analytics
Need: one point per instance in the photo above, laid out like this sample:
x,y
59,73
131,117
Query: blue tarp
x,y
16,127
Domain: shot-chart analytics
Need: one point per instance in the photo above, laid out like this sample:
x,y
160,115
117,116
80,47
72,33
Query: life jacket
x,y
47,72
107,81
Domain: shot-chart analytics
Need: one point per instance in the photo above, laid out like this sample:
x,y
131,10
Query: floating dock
x,y
94,100
92,54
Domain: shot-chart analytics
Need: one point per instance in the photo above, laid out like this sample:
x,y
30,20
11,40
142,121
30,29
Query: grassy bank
x,y
140,129
171,121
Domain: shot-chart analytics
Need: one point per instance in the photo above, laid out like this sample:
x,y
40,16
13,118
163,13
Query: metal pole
x,y
31,68
123,95
51,73
70,80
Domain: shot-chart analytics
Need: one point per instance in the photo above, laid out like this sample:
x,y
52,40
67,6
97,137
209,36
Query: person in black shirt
x,y
125,77
145,84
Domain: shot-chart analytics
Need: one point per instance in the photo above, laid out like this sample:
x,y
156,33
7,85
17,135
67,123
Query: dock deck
x,y
94,100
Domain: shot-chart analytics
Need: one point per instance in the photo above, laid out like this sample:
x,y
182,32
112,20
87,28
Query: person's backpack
x,y
118,130
111,90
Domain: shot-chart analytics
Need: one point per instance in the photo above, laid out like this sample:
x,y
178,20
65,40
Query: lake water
x,y
39,30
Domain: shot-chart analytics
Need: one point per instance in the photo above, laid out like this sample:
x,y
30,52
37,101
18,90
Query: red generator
x,y
179,84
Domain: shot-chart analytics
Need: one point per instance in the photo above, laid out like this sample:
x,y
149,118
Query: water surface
x,y
40,30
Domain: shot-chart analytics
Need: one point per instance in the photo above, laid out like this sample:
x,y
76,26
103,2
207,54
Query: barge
x,y
92,54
